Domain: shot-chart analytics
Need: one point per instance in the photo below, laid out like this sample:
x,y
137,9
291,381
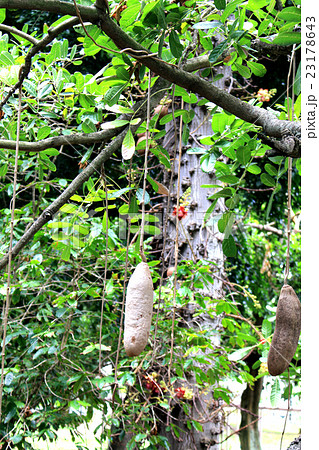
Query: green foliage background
x,y
52,344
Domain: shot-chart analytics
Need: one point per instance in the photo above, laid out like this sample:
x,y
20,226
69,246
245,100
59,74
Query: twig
x,y
130,51
20,33
259,334
240,429
148,116
176,242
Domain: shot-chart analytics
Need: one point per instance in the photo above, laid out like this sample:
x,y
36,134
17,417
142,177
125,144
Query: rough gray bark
x,y
198,240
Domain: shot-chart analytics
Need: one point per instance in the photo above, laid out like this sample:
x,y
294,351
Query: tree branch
x,y
57,141
271,126
20,33
266,227
49,212
158,91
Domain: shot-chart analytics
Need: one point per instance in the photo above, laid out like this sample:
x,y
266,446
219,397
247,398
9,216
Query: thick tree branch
x,y
55,6
158,91
271,126
49,212
57,141
20,33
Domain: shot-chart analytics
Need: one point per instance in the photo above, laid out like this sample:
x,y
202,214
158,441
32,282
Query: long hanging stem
x,y
8,298
164,237
288,221
290,117
291,66
105,265
176,242
124,290
145,166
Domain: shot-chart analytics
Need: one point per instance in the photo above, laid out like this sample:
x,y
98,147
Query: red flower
x,y
262,340
180,392
181,212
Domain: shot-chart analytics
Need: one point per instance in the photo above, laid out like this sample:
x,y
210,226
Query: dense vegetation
x,y
74,97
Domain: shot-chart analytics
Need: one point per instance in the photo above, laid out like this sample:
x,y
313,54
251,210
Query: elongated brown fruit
x,y
138,310
287,331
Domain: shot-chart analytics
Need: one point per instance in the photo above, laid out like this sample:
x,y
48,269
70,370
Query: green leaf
x,y
86,101
226,192
8,379
6,59
2,14
59,224
269,206
111,195
128,145
88,126
66,253
225,223
207,25
275,393
288,38
230,179
253,168
267,180
198,426
229,247
139,195
48,163
243,155
113,94
256,4
237,355
218,51
16,439
257,69
220,122
263,26
50,151
230,8
139,437
297,87
163,159
244,71
266,328
209,211
10,414
122,74
175,45
207,162
152,230
117,123
290,14
220,4
169,117
232,202
271,170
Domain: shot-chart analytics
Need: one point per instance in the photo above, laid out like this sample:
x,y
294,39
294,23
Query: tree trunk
x,y
249,435
197,241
